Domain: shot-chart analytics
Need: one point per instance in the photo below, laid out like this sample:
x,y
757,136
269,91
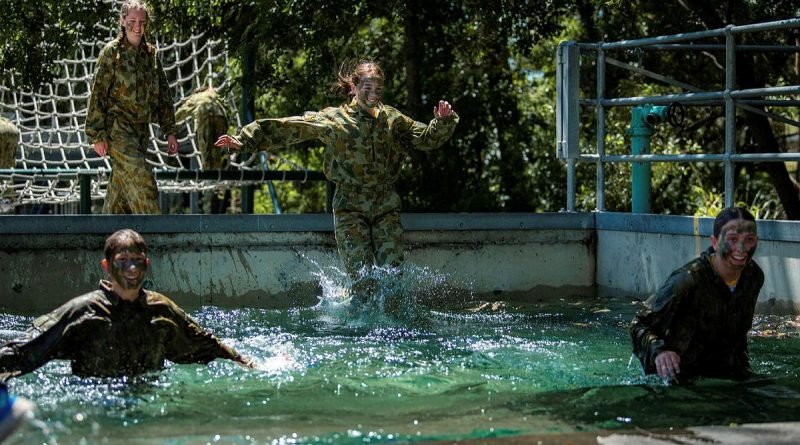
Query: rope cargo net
x,y
51,125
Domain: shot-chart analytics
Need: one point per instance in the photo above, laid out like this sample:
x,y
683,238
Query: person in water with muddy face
x,y
697,322
118,330
366,143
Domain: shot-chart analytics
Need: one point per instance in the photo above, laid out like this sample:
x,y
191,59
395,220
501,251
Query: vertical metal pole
x,y
330,189
247,199
194,197
641,182
248,114
730,113
601,129
571,184
85,182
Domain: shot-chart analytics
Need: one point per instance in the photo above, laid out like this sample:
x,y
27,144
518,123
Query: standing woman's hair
x,y
351,71
130,5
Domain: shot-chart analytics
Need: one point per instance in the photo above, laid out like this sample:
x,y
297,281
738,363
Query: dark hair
x,y
730,214
351,71
123,239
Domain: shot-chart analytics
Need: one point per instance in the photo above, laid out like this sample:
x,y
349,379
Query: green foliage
x,y
494,61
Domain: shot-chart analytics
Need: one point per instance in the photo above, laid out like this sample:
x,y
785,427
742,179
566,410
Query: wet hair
x,y
350,72
124,239
128,6
730,214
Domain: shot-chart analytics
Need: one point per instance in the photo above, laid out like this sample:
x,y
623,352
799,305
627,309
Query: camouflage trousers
x,y
132,188
367,226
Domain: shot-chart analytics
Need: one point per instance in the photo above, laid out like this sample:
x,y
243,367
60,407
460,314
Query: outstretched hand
x,y
443,110
226,141
668,364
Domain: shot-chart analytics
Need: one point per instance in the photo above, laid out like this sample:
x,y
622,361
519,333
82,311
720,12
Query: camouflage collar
x,y
114,299
353,109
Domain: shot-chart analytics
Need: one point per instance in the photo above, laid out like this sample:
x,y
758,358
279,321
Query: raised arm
x,y
265,134
433,135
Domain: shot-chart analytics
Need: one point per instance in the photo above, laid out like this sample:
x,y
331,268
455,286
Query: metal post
x,y
194,201
730,113
601,129
641,133
85,182
247,199
248,113
571,184
330,189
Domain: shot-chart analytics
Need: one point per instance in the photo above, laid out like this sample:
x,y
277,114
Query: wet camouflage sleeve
x,y
192,344
45,340
9,142
431,136
648,326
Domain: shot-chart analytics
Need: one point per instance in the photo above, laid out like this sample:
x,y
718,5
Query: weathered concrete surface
x,y
273,261
265,264
635,255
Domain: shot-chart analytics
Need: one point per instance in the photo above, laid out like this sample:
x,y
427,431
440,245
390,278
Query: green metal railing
x,y
86,176
569,102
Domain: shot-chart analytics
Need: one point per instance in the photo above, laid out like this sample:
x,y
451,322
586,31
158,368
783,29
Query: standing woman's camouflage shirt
x,y
359,150
697,316
130,87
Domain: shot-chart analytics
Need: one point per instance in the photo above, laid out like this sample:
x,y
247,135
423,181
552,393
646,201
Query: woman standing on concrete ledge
x,y
129,91
365,144
697,322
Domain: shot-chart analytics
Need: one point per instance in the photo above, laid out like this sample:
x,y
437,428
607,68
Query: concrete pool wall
x,y
272,260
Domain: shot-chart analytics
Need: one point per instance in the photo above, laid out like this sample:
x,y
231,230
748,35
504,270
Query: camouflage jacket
x,y
130,86
9,142
105,336
359,150
695,315
201,104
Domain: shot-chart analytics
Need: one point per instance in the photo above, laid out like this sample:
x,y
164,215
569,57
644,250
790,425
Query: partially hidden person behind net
x,y
210,118
696,324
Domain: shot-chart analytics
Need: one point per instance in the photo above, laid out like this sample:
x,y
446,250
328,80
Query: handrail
x,y
567,146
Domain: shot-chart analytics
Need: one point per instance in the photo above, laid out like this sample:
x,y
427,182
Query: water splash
x,y
380,295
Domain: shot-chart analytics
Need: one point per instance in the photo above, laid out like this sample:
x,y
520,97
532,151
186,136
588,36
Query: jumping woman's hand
x,y
443,110
101,148
226,141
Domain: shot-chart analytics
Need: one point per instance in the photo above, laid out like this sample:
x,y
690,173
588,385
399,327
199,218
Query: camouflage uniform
x,y
363,156
105,336
130,90
695,315
210,121
9,142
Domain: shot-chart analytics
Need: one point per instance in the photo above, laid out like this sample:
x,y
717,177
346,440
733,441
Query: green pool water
x,y
479,370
